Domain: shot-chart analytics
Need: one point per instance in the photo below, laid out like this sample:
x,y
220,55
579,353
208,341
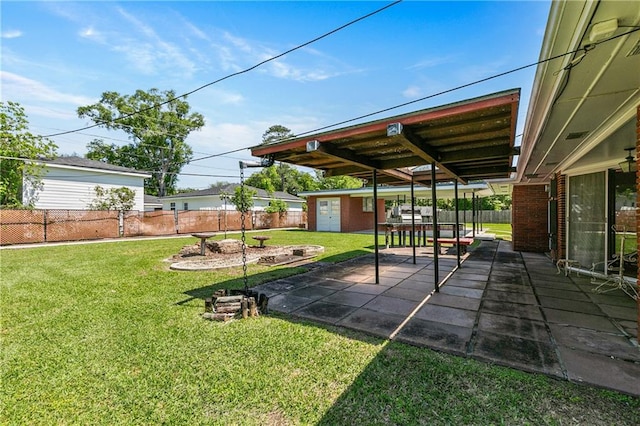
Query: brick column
x,y
562,215
529,218
638,203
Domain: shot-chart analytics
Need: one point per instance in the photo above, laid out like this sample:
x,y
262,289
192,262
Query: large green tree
x,y
337,182
276,133
17,146
157,122
282,177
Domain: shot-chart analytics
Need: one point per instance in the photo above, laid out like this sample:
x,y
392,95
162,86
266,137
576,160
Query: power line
x,y
259,64
35,160
585,49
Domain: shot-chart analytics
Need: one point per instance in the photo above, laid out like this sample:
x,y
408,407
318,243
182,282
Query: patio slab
x,y
516,352
325,312
372,322
391,305
447,315
501,306
512,326
349,298
570,305
452,301
518,310
446,337
601,371
606,344
578,319
461,291
510,296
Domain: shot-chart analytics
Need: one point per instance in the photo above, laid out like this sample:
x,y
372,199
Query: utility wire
x,y
259,64
585,49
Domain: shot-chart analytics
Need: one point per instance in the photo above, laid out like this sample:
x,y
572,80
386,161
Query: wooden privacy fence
x,y
484,216
39,226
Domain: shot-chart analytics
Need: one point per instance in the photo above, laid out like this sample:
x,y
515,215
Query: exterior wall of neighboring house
x,y
70,187
214,202
529,220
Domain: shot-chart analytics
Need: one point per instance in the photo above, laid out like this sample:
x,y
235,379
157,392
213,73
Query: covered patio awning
x,y
468,140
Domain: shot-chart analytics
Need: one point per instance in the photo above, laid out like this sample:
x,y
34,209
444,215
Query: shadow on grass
x,y
404,384
271,275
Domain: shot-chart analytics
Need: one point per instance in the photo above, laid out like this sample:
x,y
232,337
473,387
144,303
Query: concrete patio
x,y
504,307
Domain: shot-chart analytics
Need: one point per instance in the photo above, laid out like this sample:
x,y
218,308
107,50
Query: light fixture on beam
x,y
313,145
629,164
264,162
394,129
602,30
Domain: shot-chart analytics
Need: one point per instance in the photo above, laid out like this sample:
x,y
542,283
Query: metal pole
x,y
436,247
464,212
413,222
375,223
473,213
455,187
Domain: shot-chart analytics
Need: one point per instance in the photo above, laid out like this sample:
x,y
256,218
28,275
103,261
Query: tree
x,y
337,182
282,177
276,133
243,199
157,122
277,206
17,147
220,185
122,199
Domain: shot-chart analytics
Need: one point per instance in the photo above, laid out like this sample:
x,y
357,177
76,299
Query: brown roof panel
x,y
468,140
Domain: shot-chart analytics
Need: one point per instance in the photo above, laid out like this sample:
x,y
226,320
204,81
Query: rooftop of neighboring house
x,y
230,189
75,161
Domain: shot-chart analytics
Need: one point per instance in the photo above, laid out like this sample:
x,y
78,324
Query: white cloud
x,y
155,52
11,34
480,71
412,92
431,62
92,34
18,87
221,137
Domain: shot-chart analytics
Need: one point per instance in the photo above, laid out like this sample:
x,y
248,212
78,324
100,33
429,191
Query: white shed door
x,y
328,214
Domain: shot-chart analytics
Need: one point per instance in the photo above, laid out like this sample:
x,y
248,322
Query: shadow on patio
x,y
502,307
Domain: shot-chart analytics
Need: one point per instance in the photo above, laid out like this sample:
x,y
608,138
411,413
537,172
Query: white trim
x,y
94,170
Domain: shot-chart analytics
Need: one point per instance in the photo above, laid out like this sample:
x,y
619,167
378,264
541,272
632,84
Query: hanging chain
x,y
244,247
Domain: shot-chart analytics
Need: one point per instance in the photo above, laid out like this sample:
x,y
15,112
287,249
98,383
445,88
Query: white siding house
x,y
69,183
209,199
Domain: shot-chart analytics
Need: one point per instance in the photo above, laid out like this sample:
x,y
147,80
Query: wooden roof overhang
x,y
468,140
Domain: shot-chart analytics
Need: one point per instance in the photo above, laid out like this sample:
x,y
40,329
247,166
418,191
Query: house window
x,y
185,206
367,204
172,206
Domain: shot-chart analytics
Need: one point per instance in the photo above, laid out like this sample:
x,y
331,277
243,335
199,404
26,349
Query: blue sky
x,y
57,56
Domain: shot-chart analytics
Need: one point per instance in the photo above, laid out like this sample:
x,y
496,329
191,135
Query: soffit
x,y
468,140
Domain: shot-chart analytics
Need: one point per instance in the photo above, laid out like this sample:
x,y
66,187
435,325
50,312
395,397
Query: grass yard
x,y
501,230
106,334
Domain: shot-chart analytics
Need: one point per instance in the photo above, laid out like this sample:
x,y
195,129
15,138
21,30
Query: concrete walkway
x,y
501,306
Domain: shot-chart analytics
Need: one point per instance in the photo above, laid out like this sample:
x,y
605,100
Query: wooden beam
x,y
488,153
426,152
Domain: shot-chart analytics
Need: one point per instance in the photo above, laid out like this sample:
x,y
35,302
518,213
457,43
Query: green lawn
x,y
501,230
106,334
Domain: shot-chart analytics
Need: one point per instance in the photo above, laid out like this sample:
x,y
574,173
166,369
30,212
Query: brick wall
x,y
638,204
529,219
561,196
354,219
312,205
